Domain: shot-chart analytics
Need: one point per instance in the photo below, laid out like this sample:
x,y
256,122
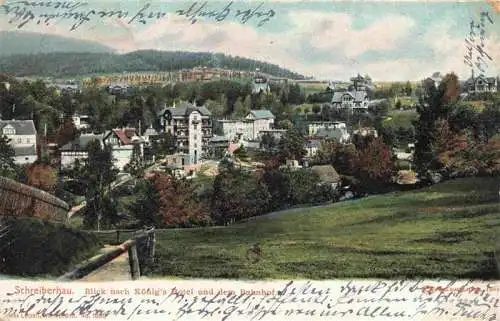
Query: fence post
x,y
134,262
152,246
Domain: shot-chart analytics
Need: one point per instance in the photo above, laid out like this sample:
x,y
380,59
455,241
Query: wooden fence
x,y
22,200
141,252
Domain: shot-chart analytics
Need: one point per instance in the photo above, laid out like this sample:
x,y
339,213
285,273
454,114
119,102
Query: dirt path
x,y
116,270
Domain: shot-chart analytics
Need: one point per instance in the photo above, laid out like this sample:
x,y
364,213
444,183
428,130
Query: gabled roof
x,y
331,133
150,132
185,109
326,173
358,96
80,143
261,114
22,127
124,135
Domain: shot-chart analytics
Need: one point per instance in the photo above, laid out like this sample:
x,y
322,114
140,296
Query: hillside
x,y
72,64
21,42
448,230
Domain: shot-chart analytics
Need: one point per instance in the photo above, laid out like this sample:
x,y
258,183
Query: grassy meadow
x,y
447,230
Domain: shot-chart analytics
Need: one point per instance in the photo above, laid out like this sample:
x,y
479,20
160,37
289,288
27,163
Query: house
x,y
149,134
235,129
354,100
122,141
327,175
22,136
312,146
218,147
191,127
276,133
366,132
262,119
248,128
313,127
260,84
291,164
76,150
118,89
338,134
481,84
81,122
68,87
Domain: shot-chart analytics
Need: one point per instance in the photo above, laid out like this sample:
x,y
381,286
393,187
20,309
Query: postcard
x,y
249,160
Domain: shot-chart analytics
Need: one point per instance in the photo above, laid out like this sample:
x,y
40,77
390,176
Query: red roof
x,y
124,135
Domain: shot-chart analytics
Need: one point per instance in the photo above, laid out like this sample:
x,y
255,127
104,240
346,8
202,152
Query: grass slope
x,y
447,230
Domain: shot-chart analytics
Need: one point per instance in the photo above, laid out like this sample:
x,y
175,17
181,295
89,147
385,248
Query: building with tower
x,y
191,127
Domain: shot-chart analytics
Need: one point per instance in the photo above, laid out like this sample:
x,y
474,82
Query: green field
x,y
400,119
447,230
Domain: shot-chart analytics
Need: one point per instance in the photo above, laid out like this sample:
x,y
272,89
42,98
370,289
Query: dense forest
x,y
77,64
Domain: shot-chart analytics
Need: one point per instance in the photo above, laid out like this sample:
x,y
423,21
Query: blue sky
x,y
388,40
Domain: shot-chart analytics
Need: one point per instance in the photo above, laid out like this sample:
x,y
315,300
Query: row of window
x,y
20,141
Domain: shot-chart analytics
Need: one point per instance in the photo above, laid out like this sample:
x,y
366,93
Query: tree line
x,y
77,64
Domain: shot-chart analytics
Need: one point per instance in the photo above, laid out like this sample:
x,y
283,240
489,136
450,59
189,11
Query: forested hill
x,y
68,64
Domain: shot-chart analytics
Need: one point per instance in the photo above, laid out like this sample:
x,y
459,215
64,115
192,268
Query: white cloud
x,y
334,32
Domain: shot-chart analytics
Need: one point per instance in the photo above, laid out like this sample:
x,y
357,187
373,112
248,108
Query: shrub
x,y
31,247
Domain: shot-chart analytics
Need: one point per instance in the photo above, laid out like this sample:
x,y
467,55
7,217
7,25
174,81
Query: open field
x,y
398,119
313,88
447,230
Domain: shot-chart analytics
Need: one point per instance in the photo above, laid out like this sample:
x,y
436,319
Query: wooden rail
x,y
140,250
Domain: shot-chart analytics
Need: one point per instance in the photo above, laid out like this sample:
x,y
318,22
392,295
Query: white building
x,y
76,150
314,127
81,122
354,100
122,141
250,127
260,84
191,126
22,136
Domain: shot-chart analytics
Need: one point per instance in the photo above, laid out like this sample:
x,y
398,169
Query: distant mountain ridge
x,y
69,58
22,42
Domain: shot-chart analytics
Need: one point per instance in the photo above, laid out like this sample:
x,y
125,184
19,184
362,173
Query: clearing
x,y
448,230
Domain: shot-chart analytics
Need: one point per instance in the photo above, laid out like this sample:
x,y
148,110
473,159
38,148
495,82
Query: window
x,y
9,130
195,137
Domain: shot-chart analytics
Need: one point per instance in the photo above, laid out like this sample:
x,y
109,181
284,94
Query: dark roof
x,y
80,144
326,173
22,127
330,133
185,109
313,144
25,150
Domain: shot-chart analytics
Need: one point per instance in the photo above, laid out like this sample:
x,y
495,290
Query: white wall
x,y
28,159
195,138
19,140
68,158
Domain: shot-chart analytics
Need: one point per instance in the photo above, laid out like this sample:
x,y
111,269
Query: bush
x,y
32,247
